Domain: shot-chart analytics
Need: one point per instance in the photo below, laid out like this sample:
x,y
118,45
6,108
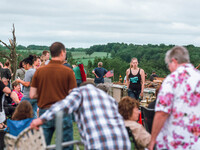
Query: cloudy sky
x,y
83,23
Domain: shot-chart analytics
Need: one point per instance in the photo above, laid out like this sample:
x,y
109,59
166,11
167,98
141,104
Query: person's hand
x,y
36,123
141,95
151,145
97,76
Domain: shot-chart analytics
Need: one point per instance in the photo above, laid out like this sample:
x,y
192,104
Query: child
x,y
21,119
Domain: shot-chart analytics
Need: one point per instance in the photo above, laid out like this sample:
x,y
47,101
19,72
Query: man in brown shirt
x,y
52,83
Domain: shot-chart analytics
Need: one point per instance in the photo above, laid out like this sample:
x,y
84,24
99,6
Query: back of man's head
x,y
56,49
100,64
179,53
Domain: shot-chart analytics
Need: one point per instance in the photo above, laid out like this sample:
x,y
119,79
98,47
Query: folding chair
x,y
147,117
34,139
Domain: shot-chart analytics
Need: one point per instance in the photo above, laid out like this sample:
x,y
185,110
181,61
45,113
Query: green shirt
x,y
77,72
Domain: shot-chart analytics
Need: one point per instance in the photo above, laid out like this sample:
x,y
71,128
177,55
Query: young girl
x,y
21,119
16,94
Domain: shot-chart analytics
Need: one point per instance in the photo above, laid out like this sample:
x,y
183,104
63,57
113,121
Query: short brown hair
x,y
56,49
45,52
23,111
14,84
126,106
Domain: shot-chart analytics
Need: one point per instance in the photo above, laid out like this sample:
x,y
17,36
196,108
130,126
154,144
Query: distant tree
x,y
10,52
89,64
21,47
89,51
68,55
112,53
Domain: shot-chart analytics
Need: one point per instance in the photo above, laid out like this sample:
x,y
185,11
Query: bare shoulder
x,y
128,71
141,71
13,94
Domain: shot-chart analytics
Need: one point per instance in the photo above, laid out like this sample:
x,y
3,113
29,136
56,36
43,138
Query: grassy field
x,y
81,56
78,56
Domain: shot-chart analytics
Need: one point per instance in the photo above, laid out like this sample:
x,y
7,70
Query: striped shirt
x,y
96,113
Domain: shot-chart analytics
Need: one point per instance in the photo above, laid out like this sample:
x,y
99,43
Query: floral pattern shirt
x,y
179,96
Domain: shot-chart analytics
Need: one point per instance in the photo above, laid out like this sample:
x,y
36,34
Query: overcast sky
x,y
83,23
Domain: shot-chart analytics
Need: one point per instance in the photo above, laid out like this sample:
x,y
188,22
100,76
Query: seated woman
x,y
129,109
16,95
21,119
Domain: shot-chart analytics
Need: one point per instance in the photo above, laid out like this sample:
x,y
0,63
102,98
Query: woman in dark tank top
x,y
135,79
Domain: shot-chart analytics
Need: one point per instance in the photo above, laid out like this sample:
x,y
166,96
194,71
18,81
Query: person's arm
x,y
1,65
95,74
14,97
33,93
7,90
142,81
127,78
26,84
158,122
105,71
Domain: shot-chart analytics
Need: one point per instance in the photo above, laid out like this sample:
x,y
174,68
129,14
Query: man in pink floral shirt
x,y
177,120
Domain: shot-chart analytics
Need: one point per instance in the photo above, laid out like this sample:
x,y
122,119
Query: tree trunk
x,y
12,55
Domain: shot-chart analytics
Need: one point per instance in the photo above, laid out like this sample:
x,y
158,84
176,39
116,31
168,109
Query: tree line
x,y
150,57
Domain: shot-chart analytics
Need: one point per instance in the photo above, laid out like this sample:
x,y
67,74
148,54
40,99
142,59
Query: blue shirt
x,y
100,72
99,122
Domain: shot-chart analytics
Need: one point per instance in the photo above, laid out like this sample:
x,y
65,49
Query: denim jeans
x,y
78,82
34,105
134,94
49,128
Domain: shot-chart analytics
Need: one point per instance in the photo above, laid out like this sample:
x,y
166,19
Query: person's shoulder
x,y
65,68
141,70
132,124
67,65
75,68
128,70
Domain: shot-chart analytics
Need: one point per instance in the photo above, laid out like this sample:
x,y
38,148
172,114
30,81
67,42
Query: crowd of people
x,y
44,87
